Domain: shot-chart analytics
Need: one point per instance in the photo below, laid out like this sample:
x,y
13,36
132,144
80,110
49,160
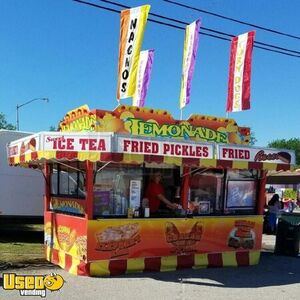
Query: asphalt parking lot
x,y
276,277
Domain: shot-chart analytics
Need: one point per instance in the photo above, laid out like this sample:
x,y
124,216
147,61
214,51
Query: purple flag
x,y
188,64
143,77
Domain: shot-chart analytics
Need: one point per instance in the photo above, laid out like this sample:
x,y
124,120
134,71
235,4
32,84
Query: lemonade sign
x,y
147,122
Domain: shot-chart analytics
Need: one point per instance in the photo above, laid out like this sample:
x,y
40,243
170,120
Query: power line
x,y
98,6
165,18
203,28
183,28
233,20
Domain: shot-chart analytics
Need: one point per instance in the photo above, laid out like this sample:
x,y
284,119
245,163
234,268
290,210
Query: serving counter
x,y
116,246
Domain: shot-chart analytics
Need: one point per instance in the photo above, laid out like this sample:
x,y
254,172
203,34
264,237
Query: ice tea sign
x,y
61,141
77,142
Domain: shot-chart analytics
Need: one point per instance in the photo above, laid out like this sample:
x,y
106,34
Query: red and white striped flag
x,y
240,72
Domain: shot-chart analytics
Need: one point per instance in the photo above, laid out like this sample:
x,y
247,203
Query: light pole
x,y
18,106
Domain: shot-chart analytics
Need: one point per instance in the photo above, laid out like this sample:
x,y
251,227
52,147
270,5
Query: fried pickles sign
x,y
179,149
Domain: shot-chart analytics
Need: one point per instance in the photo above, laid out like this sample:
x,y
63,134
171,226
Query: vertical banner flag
x,y
188,64
143,77
132,27
240,72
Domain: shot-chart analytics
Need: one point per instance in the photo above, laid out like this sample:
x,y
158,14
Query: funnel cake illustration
x,y
118,237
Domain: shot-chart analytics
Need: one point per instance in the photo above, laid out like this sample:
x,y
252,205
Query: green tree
x,y
52,128
253,139
4,124
291,144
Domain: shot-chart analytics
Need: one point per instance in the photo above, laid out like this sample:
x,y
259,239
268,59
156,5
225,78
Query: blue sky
x,y
68,52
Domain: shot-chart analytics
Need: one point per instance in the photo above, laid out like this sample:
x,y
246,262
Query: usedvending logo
x,y
32,285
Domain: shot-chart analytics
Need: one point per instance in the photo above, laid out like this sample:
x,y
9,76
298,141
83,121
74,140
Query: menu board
x,y
135,193
241,194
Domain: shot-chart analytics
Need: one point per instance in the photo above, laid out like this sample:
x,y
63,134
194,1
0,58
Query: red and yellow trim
x,y
172,263
115,267
38,156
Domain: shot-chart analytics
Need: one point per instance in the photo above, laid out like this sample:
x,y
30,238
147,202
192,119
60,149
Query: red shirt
x,y
153,190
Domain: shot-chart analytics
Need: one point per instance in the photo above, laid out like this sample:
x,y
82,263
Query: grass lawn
x,y
21,253
21,244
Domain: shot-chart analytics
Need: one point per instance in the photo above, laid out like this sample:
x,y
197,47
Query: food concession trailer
x,y
96,170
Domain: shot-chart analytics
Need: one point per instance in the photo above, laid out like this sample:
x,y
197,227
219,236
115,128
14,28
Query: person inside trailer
x,y
155,194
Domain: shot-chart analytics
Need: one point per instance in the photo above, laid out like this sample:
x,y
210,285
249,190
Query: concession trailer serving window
x,y
116,188
68,180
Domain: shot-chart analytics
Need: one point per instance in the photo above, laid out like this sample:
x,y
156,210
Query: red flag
x,y
240,72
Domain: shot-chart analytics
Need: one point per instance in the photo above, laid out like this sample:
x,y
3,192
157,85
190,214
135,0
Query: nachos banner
x,y
189,58
240,72
133,22
143,77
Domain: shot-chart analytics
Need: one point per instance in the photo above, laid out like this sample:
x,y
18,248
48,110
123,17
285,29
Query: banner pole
x,y
119,103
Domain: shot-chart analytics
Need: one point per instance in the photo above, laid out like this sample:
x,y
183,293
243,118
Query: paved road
x,y
276,277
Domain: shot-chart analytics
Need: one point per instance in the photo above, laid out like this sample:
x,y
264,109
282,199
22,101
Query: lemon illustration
x,y
53,282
